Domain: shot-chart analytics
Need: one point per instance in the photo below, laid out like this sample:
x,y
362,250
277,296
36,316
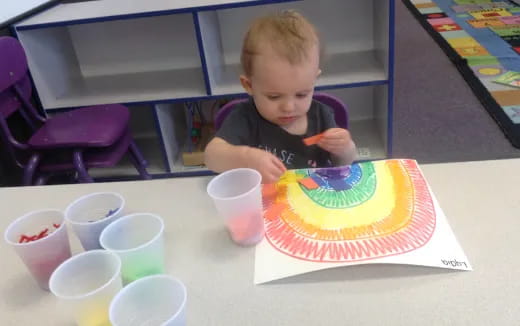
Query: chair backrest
x,y
337,105
13,66
223,112
15,81
339,108
15,95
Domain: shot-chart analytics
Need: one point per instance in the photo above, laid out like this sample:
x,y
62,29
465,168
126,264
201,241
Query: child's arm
x,y
221,156
338,142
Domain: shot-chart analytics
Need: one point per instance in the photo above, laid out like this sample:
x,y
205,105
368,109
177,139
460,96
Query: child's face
x,y
283,92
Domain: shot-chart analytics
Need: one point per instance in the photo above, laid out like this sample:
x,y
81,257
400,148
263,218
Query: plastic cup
x,y
86,284
44,255
238,199
153,300
138,240
90,214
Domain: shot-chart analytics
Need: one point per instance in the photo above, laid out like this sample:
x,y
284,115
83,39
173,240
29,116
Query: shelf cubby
x,y
354,35
120,61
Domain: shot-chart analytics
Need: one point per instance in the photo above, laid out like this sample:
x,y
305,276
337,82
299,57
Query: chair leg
x,y
30,168
74,177
139,162
41,180
83,175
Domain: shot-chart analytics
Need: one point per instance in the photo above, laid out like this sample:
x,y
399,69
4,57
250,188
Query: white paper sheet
x,y
441,249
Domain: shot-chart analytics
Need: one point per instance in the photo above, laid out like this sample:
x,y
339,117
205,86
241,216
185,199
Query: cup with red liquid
x,y
41,241
238,198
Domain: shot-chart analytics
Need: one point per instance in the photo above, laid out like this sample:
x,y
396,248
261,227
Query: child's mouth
x,y
287,119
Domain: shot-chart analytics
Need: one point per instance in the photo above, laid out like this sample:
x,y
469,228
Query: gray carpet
x,y
436,116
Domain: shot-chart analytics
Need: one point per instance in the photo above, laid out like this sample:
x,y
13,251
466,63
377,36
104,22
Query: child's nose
x,y
288,106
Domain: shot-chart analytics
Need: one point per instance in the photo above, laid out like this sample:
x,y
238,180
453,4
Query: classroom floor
x,y
436,116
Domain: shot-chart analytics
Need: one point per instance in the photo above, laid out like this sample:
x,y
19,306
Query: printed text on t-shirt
x,y
285,156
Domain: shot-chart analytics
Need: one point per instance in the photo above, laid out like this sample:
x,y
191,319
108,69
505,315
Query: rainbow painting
x,y
369,212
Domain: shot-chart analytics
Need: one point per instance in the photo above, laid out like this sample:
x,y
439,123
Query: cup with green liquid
x,y
138,239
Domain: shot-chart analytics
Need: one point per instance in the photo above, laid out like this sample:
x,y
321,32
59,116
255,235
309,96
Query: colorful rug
x,y
482,38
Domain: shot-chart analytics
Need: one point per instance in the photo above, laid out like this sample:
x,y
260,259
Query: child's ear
x,y
246,83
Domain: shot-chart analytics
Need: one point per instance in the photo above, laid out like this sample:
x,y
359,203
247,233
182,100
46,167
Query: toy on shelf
x,y
200,131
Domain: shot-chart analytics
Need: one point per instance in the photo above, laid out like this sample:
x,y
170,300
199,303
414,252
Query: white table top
x,y
480,200
113,8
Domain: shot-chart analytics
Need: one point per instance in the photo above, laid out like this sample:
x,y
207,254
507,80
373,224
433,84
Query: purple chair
x,y
339,108
73,141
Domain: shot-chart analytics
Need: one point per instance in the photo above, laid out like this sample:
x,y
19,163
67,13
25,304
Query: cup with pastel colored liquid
x,y
90,214
86,284
151,300
238,200
41,241
138,239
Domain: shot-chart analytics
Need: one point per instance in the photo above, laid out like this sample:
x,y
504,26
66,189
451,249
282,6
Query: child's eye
x,y
273,97
301,95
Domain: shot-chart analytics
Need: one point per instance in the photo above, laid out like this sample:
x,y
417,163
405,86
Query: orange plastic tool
x,y
313,140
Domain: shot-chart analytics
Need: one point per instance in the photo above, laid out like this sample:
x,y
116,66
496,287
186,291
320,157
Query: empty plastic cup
x,y
90,214
138,240
158,300
86,284
40,239
238,199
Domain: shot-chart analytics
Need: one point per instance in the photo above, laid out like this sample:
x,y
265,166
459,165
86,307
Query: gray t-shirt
x,y
245,126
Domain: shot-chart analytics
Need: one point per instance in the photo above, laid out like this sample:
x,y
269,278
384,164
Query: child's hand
x,y
269,166
336,141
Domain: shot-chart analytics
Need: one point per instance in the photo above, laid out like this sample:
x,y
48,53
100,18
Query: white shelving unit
x,y
356,51
168,51
122,61
367,107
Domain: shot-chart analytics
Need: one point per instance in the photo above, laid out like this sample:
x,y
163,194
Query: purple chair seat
x,y
97,126
98,158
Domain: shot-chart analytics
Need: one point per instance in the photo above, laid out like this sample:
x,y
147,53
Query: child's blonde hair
x,y
290,34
